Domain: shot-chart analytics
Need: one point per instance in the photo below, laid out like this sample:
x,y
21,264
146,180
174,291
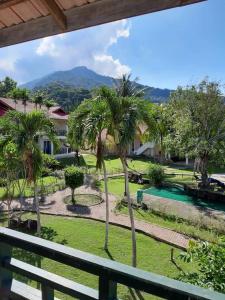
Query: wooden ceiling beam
x,y
56,13
95,13
8,3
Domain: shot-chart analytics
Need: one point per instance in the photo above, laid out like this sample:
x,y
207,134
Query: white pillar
x,y
52,148
187,159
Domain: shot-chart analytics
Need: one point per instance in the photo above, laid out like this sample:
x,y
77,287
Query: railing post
x,y
47,292
6,276
107,288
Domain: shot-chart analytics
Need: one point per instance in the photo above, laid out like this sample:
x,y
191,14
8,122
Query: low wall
x,y
204,194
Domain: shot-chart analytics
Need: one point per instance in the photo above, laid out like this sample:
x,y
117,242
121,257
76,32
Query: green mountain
x,y
72,86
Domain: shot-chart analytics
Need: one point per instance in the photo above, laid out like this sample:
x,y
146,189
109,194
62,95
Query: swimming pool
x,y
178,194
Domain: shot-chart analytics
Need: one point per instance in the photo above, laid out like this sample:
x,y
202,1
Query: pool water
x,y
178,194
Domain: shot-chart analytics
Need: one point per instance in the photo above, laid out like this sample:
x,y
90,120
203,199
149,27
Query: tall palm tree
x,y
88,127
126,114
38,99
24,94
25,130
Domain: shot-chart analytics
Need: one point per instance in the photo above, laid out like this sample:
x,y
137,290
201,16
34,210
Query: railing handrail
x,y
109,270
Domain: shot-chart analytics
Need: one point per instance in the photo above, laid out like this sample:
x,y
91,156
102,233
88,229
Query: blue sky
x,y
165,49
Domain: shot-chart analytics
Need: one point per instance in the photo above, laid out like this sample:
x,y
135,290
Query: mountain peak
x,y
81,77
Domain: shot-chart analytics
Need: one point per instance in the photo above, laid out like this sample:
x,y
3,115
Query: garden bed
x,y
84,200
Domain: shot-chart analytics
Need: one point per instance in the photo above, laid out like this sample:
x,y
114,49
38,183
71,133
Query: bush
x,y
210,259
74,177
156,174
3,182
50,162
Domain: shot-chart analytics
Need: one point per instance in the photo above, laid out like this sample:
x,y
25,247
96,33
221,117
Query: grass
x,y
174,223
116,186
87,235
49,183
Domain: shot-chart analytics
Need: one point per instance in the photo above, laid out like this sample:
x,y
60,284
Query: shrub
x,y
50,162
210,259
3,182
156,174
74,177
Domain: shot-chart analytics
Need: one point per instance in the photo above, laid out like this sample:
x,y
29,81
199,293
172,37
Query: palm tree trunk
x,y
37,209
107,206
133,233
73,196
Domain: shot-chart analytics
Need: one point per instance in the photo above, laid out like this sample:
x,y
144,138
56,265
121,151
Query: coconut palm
x,y
125,87
38,99
88,127
25,130
126,114
49,103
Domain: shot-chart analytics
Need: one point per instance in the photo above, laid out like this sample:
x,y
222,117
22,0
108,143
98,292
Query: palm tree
x,y
24,94
25,130
49,103
125,87
38,99
88,126
126,114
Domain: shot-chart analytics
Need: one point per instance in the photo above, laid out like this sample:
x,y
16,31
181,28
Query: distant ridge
x,y
84,78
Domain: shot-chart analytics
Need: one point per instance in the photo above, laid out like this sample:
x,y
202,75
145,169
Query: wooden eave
x,y
26,20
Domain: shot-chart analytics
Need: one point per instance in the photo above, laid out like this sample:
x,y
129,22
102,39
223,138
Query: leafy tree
x,y
24,130
9,168
74,178
198,124
6,86
156,174
210,259
67,96
88,127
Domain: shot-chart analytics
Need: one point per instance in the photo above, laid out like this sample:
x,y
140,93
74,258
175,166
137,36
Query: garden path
x,y
55,205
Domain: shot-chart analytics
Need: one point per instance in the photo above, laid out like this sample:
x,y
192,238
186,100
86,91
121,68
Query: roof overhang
x,y
54,16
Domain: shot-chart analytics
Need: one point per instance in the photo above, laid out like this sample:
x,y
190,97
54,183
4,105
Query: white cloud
x,y
7,64
106,65
90,47
47,46
122,32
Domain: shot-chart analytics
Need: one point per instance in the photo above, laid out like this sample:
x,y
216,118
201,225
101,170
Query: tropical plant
x,y
198,127
25,130
210,259
6,86
88,127
125,116
20,94
125,87
74,178
49,103
156,174
38,99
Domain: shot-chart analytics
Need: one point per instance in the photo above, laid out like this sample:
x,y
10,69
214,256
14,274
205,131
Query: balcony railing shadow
x,y
109,273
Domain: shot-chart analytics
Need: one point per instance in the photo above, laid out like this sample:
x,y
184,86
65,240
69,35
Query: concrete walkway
x,y
55,205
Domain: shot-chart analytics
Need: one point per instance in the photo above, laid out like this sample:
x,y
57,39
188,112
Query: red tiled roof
x,y
55,112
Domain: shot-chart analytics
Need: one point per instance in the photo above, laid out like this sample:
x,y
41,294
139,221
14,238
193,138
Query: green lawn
x,y
88,236
116,186
48,183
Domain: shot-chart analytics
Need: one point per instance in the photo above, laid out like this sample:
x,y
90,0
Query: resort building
x,y
57,115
